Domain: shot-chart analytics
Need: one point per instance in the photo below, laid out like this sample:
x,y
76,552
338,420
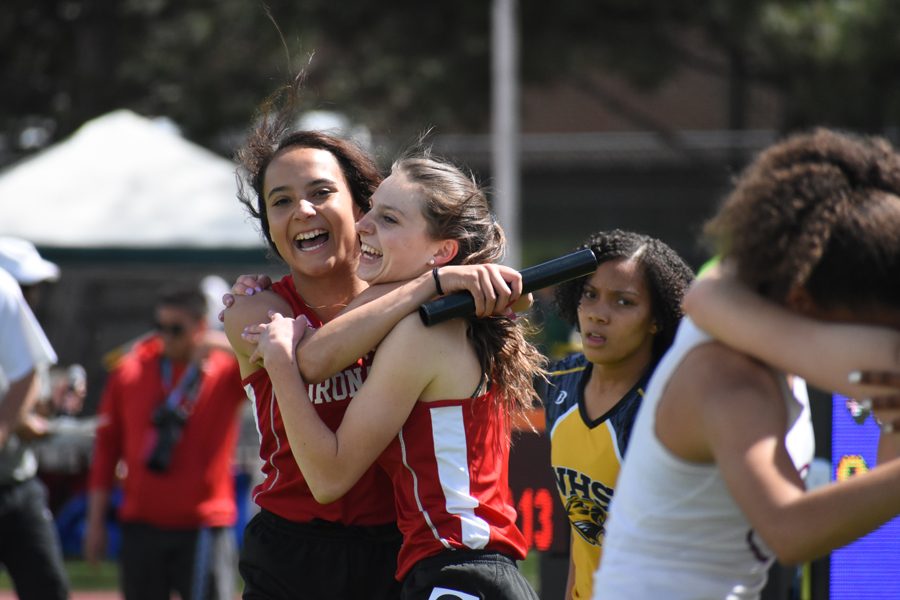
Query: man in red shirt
x,y
168,413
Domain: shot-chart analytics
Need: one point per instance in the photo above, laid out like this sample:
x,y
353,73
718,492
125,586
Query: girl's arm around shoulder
x,y
372,314
823,353
247,311
360,327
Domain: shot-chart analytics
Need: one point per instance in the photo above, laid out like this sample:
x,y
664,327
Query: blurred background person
x,y
64,451
169,414
29,546
68,389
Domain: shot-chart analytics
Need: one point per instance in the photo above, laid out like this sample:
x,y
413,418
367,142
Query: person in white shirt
x,y
29,546
709,495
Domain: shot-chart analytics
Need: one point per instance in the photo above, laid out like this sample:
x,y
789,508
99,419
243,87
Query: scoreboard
x,y
869,568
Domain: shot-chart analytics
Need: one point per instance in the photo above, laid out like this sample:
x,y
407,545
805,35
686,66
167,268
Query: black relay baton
x,y
566,267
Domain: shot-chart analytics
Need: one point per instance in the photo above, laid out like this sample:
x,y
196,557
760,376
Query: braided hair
x,y
819,211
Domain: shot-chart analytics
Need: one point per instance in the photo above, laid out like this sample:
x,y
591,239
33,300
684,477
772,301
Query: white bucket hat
x,y
21,260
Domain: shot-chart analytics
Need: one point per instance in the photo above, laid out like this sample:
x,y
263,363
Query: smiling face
x,y
615,315
394,238
311,213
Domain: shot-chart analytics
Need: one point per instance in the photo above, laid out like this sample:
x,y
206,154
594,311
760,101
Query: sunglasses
x,y
174,330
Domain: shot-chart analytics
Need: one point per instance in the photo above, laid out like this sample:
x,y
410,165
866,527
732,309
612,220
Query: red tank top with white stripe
x,y
284,490
449,466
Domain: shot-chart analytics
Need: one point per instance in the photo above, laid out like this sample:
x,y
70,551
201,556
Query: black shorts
x,y
321,560
467,575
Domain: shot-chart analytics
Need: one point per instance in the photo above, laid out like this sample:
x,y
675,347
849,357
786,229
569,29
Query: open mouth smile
x,y
310,240
370,252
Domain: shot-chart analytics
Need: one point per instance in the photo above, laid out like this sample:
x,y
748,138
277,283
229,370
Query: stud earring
x,y
431,262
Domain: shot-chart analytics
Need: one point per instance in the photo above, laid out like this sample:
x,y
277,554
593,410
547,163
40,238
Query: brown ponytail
x,y
455,207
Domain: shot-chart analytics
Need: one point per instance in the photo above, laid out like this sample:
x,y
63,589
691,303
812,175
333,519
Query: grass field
x,y
82,576
530,568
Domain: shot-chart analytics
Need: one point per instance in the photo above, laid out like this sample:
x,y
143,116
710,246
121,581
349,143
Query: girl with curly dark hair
x,y
627,313
709,496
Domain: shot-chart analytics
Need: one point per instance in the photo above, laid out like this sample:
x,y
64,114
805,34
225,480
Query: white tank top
x,y
674,530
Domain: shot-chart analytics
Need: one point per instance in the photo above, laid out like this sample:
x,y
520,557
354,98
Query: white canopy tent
x,y
122,180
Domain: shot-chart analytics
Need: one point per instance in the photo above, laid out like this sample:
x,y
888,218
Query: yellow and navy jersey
x,y
586,456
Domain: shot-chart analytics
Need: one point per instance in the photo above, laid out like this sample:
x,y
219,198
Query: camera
x,y
168,422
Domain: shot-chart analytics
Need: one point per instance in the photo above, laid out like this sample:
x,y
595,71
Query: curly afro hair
x,y
820,212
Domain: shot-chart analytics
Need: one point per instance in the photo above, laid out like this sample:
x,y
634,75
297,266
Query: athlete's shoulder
x,y
714,366
430,351
563,387
571,364
284,287
412,328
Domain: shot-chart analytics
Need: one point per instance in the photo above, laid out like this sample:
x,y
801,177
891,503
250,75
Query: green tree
x,y
203,63
400,66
